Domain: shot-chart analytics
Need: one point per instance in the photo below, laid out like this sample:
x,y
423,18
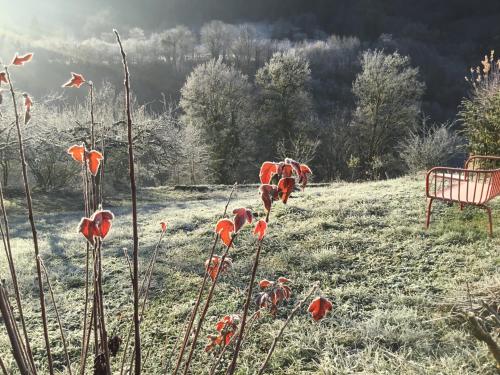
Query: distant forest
x,y
336,51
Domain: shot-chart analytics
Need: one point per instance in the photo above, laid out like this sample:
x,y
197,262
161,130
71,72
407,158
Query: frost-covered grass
x,y
365,243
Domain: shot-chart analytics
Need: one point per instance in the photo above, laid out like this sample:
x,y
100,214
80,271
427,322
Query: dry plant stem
x,y
481,334
17,350
102,315
2,366
205,307
13,273
232,366
86,348
144,290
32,224
63,338
127,341
135,255
278,336
224,350
200,292
85,340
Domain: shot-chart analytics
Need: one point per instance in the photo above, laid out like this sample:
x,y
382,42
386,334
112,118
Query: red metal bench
x,y
475,184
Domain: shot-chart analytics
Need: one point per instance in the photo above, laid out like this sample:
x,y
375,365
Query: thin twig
x,y
232,366
32,224
135,255
13,273
17,350
278,336
2,366
145,285
207,304
56,310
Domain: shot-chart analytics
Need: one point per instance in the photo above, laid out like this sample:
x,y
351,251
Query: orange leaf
x,y
319,307
77,152
285,187
260,229
21,60
267,170
94,159
225,228
76,81
265,283
242,216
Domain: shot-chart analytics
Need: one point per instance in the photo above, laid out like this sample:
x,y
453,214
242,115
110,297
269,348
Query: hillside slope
x,y
391,281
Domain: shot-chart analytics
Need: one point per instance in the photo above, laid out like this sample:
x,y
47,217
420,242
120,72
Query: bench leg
x,y
428,212
490,220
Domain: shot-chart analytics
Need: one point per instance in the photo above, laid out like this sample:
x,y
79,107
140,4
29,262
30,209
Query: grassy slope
x,y
365,243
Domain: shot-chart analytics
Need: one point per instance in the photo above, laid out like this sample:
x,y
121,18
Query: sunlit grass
x,y
365,243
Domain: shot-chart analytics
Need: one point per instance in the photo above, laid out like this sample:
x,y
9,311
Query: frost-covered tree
x,y
178,43
215,100
217,36
388,96
285,98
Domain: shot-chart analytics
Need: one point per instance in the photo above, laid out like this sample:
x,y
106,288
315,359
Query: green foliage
x,y
388,97
480,115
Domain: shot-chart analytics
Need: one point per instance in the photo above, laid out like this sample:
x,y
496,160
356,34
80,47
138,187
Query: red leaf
x,y
265,283
268,194
287,171
212,267
295,165
86,228
286,291
260,229
283,280
163,226
77,152
267,170
304,171
319,307
94,160
102,222
3,77
27,108
76,81
225,228
285,187
243,215
21,60
27,102
98,225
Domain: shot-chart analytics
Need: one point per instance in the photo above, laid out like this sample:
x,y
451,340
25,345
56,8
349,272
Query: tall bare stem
x,y
32,224
133,190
